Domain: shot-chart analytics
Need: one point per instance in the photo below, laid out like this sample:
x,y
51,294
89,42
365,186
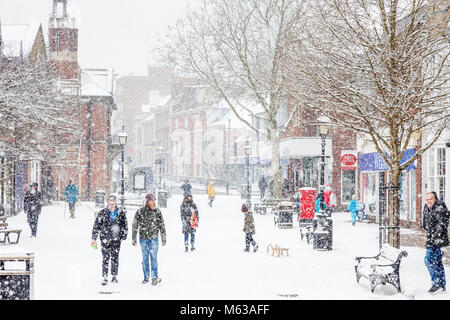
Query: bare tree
x,y
379,67
36,120
236,47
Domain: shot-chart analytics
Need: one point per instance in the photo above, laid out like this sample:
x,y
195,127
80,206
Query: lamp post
x,y
324,125
323,225
123,141
160,161
248,150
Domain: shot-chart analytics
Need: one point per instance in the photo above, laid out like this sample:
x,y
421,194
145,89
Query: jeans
x,y
249,239
186,239
433,261
149,248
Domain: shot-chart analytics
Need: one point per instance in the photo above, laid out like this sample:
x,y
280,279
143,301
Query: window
x,y
348,185
437,171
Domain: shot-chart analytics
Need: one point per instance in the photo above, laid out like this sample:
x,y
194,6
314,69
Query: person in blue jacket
x,y
353,208
71,193
318,203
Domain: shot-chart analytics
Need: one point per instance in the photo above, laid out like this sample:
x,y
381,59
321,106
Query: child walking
x,y
249,229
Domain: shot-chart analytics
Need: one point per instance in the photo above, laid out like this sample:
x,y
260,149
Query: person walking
x,y
112,226
249,229
186,186
71,193
262,184
435,222
187,211
32,206
353,208
329,197
211,193
149,221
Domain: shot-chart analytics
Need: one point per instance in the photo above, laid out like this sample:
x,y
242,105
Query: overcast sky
x,y
112,33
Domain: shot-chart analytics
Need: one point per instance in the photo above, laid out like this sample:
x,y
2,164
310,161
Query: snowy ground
x,y
66,267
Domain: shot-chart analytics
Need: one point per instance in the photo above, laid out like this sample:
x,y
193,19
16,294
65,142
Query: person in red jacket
x,y
329,197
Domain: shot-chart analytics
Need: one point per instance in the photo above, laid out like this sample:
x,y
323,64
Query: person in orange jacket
x,y
211,193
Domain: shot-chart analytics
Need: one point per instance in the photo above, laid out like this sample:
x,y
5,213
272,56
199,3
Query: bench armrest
x,y
358,259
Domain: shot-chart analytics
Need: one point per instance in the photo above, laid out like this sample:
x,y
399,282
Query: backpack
x,y
194,220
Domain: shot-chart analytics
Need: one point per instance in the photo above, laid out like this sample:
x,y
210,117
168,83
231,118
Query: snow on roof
x,y
18,39
90,86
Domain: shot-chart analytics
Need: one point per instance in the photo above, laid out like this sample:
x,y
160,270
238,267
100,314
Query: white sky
x,y
112,33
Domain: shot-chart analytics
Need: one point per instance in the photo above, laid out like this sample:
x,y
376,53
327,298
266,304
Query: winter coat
x,y
186,209
352,206
110,230
32,203
435,222
249,223
186,189
262,185
150,223
71,193
330,198
211,191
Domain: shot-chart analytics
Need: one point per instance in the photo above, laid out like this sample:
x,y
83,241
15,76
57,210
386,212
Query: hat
x,y
34,184
112,195
244,208
149,197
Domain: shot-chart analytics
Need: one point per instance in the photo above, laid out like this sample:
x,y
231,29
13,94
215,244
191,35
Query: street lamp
x,y
123,141
248,150
322,224
324,126
161,162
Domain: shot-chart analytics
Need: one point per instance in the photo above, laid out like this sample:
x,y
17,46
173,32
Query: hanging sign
x,y
349,160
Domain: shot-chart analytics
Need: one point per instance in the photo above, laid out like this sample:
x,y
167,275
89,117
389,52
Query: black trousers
x,y
32,219
110,252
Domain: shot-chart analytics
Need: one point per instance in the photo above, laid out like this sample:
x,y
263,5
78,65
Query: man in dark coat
x,y
149,221
262,186
186,209
32,206
112,225
186,188
435,222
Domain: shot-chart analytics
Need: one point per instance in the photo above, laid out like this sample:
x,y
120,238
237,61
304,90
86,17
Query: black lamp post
x,y
324,125
123,141
161,162
323,225
248,150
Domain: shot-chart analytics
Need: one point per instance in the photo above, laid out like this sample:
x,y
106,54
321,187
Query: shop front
x,y
373,170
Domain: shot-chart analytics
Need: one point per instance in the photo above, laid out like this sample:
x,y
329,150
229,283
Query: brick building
x,y
89,158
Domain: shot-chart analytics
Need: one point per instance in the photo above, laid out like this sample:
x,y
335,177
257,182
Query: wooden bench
x,y
5,236
382,268
3,224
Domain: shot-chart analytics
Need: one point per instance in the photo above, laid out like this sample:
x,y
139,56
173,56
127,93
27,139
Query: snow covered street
x,y
66,267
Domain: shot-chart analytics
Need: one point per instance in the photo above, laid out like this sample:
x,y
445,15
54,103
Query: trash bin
x,y
16,276
100,198
323,232
163,195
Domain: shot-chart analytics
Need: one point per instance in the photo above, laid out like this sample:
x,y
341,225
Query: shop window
x,y
308,173
437,170
348,185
